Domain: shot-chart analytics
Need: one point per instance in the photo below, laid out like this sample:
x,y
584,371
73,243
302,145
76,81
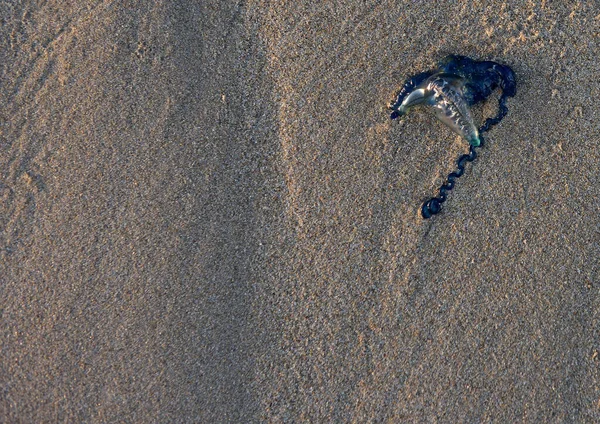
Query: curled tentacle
x,y
434,205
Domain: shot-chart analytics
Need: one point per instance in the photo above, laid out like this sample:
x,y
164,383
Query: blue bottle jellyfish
x,y
456,84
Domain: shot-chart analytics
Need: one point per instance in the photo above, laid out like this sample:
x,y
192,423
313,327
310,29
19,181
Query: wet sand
x,y
206,215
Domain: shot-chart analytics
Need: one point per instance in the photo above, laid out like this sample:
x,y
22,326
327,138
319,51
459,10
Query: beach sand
x,y
206,215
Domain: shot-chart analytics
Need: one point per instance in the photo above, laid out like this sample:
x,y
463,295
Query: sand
x,y
206,215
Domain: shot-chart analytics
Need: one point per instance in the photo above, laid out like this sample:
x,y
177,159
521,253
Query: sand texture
x,y
206,215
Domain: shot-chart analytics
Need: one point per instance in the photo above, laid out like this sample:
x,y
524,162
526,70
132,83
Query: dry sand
x,y
207,216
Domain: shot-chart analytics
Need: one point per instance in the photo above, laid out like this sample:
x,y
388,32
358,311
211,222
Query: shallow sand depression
x,y
206,215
